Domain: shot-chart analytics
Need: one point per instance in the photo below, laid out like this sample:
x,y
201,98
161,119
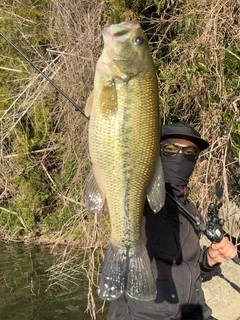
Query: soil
x,y
222,291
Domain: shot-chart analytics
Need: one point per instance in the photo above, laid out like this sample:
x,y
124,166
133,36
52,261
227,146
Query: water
x,y
24,287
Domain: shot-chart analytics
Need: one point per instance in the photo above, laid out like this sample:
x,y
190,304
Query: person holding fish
x,y
151,269
172,240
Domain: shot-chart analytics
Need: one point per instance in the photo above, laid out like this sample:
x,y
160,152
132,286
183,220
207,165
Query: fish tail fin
x,y
127,270
140,283
113,277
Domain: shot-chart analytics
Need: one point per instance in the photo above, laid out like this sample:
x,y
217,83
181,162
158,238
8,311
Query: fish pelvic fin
x,y
127,270
94,198
156,191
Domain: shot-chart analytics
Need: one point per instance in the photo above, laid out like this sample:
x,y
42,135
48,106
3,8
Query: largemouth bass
x,y
124,134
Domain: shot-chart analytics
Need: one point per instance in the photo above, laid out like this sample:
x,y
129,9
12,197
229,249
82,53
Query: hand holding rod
x,y
213,229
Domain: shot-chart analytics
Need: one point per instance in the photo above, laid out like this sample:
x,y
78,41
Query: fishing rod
x,y
212,229
44,75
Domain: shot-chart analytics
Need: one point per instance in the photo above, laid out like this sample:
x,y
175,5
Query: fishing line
x,y
45,76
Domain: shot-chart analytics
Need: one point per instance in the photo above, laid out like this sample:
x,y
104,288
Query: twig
x,y
10,69
59,194
232,54
16,215
31,152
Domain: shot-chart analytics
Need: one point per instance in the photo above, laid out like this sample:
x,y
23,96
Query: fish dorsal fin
x,y
89,104
156,189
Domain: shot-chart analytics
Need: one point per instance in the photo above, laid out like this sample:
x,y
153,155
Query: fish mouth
x,y
120,32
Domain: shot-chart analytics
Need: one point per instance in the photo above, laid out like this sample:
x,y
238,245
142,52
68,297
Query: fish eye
x,y
138,40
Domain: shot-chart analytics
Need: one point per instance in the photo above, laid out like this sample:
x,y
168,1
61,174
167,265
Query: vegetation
x,y
44,159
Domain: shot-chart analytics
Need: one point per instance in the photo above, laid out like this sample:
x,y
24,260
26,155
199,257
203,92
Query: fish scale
x,y
124,150
127,173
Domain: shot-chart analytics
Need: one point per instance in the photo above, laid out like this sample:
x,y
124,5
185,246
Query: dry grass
x,y
193,85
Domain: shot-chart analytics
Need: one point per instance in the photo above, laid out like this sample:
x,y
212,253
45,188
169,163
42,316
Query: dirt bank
x,y
222,291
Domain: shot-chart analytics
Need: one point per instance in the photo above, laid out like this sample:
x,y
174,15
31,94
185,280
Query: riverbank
x,y
222,290
221,287
45,238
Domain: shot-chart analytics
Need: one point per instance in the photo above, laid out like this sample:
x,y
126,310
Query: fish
x,y
123,137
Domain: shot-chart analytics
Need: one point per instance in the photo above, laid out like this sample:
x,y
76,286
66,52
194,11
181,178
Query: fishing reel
x,y
213,229
214,226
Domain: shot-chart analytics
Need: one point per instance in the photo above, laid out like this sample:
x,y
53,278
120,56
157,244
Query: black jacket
x,y
173,245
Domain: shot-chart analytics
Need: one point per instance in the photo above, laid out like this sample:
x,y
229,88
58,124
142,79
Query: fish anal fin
x,y
94,197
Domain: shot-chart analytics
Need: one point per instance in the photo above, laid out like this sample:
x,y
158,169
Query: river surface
x,y
25,293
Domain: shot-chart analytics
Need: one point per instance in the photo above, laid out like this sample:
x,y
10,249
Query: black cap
x,y
183,130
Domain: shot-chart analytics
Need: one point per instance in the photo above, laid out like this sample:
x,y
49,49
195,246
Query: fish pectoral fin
x,y
156,190
127,270
108,98
94,198
89,104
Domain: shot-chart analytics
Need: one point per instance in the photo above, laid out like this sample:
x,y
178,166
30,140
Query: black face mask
x,y
177,169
